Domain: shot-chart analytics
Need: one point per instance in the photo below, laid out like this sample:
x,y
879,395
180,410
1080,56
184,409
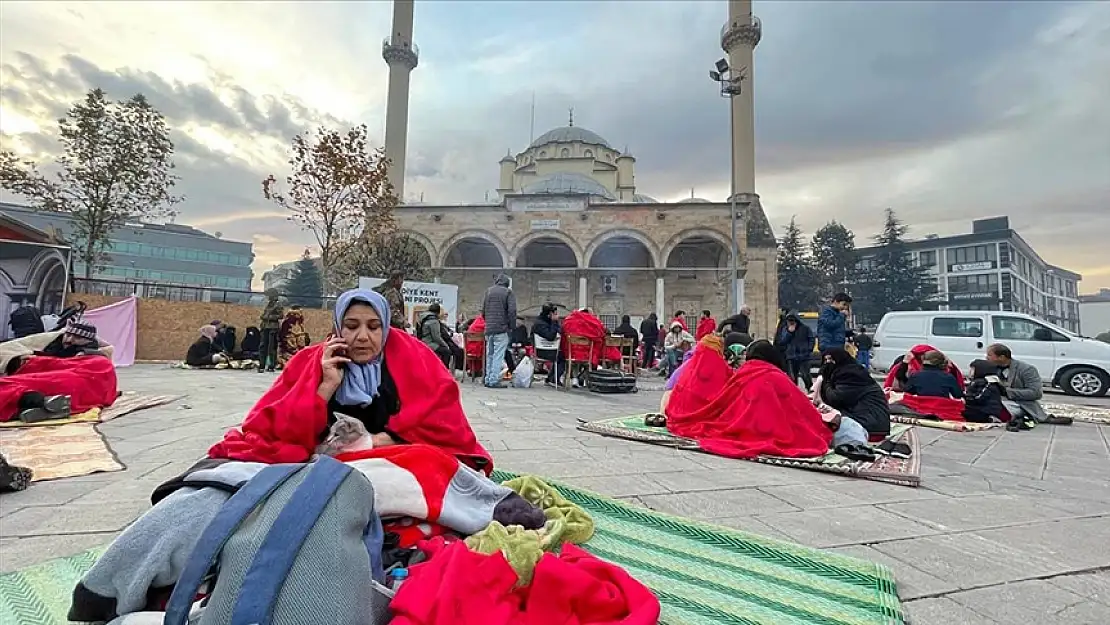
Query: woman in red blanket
x,y
706,325
387,379
88,380
911,363
585,324
753,410
476,349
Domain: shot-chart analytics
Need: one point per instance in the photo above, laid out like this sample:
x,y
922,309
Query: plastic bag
x,y
522,375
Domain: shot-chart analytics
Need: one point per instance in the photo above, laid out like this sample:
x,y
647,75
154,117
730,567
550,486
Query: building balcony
x,y
396,51
747,30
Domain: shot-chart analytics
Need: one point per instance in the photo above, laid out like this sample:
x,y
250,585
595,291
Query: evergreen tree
x,y
834,255
798,278
893,281
305,285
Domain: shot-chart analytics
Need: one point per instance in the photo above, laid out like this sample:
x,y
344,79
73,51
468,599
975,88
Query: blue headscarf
x,y
360,383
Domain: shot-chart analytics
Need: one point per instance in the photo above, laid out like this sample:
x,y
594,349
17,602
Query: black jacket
x,y
933,382
796,345
519,335
864,341
650,330
375,416
739,323
850,389
983,400
200,353
547,329
627,331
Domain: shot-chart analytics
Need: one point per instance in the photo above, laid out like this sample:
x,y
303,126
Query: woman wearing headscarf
x,y
911,363
385,378
292,335
846,386
204,352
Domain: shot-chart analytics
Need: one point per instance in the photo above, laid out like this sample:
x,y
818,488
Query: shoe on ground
x,y
12,478
901,450
1028,423
550,383
1054,420
885,448
37,407
1014,425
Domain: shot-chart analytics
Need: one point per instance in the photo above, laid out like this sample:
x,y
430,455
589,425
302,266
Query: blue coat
x,y
832,328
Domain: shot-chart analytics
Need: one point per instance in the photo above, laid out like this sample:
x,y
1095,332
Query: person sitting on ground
x,y
204,352
706,325
368,370
252,342
626,330
740,322
843,384
1023,390
675,347
292,336
225,336
735,344
983,397
547,327
934,378
904,366
78,339
796,342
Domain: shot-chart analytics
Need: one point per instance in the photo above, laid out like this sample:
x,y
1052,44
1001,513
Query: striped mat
x,y
702,574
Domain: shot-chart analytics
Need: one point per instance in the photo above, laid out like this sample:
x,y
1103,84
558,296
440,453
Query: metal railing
x,y
175,292
751,20
388,42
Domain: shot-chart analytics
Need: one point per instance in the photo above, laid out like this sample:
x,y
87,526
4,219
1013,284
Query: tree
x,y
396,253
339,190
834,254
305,286
116,166
893,281
798,278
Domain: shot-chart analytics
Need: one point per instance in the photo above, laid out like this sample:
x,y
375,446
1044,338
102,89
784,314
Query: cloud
x,y
944,111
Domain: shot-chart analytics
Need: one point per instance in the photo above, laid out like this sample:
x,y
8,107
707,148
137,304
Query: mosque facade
x,y
569,227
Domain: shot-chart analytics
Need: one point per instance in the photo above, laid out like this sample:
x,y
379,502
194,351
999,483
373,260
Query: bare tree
x,y
339,190
116,166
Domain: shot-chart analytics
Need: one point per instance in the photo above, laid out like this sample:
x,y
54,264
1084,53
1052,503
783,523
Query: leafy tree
x,y
339,190
305,286
396,253
116,165
893,281
834,255
798,278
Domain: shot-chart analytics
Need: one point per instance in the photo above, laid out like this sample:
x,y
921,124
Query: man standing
x,y
832,323
740,322
499,311
649,328
1022,390
391,291
864,343
269,325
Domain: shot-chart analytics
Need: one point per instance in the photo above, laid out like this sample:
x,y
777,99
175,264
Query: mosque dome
x,y
564,183
640,198
570,134
693,200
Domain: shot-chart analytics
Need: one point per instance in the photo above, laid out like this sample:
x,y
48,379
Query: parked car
x,y
1076,364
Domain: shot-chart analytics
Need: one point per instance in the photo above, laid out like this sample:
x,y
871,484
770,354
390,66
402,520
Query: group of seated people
x,y
215,346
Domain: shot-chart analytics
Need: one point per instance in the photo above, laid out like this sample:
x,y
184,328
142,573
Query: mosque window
x,y
543,154
589,154
565,153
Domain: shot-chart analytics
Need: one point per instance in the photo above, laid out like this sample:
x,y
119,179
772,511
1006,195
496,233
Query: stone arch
x,y
694,233
482,235
424,241
561,236
609,235
41,266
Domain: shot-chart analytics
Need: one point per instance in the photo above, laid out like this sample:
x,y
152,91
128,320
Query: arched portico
x,y
552,239
473,248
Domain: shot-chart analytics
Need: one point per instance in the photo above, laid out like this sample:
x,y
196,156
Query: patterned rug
x,y
124,404
1086,414
951,426
905,472
702,574
68,450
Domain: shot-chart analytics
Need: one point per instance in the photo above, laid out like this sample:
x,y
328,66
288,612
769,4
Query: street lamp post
x,y
731,81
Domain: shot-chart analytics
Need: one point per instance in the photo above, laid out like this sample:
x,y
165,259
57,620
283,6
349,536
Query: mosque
x,y
569,226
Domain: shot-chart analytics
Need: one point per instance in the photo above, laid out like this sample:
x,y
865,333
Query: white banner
x,y
420,295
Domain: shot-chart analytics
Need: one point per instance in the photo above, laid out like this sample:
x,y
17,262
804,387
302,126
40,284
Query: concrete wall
x,y
166,329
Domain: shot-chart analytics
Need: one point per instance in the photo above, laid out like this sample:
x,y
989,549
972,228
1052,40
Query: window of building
x,y
963,327
985,285
543,154
564,153
972,254
927,258
589,153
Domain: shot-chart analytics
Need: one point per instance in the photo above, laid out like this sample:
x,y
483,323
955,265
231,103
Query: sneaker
x,y
1054,420
53,407
1014,425
901,450
1028,423
550,383
885,448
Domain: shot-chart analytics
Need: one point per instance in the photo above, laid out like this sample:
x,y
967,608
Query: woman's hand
x,y
332,365
382,439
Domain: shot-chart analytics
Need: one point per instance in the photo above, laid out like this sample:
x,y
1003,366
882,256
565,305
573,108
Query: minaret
x,y
402,56
739,39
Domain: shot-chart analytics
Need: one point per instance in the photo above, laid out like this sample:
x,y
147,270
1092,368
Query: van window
x,y
1018,329
964,327
907,325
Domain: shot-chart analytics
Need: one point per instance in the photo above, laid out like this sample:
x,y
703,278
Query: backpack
x,y
297,543
610,381
26,321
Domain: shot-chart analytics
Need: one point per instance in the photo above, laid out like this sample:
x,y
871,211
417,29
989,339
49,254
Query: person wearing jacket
x,y
547,328
499,311
649,329
934,379
1023,389
740,322
796,342
832,323
270,325
706,325
431,332
850,389
204,352
983,397
675,346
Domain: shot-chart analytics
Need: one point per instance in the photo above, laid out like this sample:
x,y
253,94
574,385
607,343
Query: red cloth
x,y
477,349
943,408
90,382
585,324
681,321
707,325
460,587
756,410
914,364
286,423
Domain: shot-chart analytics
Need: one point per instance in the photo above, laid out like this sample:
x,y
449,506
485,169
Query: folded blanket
x,y
942,408
575,525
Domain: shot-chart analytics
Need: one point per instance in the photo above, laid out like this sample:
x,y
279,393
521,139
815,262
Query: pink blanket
x,y
115,325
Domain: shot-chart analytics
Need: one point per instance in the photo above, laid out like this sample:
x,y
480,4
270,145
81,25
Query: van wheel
x,y
1086,382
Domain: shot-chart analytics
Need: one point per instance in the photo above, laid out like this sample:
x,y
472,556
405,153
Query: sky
x,y
945,111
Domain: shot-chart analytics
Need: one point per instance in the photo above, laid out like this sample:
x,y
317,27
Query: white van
x,y
1078,365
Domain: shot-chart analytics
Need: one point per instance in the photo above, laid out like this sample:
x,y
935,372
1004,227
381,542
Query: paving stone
x,y
746,474
620,485
1035,601
1094,586
51,493
807,496
980,512
17,553
835,527
717,504
71,519
943,611
751,525
1071,544
969,560
912,582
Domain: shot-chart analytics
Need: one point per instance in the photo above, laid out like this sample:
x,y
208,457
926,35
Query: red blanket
x,y
707,325
90,382
943,408
756,410
287,422
914,365
477,349
585,324
457,586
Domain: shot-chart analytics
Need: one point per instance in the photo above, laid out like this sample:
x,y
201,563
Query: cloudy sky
x,y
943,111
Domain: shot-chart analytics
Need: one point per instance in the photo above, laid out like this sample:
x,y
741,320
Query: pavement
x,y
1006,528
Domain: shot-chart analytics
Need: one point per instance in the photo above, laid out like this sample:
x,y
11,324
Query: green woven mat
x,y
701,573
